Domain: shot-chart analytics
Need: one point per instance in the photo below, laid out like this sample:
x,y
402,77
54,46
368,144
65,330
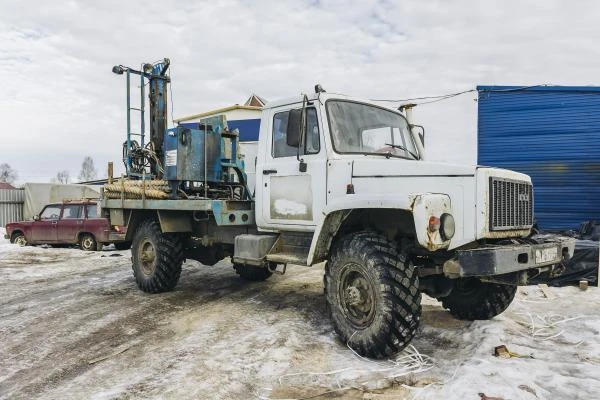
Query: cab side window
x,y
50,212
311,135
92,210
72,212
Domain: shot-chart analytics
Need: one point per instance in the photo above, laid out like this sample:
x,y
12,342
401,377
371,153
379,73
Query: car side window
x,y
50,212
92,210
311,135
71,211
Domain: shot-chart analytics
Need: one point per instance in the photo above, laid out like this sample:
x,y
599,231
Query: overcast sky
x,y
60,101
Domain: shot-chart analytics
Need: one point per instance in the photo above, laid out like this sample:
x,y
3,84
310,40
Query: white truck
x,y
345,182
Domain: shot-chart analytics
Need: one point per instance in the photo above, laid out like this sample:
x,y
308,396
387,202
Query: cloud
x,y
61,101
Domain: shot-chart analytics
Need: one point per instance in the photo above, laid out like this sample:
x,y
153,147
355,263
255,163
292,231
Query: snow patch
x,y
289,207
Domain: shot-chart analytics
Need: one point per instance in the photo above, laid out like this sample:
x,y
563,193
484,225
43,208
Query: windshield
x,y
362,128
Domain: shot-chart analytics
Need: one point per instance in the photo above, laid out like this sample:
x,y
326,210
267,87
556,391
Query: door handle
x,y
54,222
269,171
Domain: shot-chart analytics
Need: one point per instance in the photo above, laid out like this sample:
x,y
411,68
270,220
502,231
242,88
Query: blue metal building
x,y
551,133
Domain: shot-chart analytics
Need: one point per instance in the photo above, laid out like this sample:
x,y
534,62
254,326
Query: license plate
x,y
546,255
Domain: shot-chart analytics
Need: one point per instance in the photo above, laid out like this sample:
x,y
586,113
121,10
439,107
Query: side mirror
x,y
36,217
293,128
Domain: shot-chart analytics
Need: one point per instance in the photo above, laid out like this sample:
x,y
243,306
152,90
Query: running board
x,y
291,248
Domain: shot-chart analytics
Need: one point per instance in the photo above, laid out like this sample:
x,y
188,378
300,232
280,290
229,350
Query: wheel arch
x,y
136,218
17,232
394,223
81,233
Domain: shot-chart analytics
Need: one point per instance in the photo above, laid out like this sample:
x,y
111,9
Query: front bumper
x,y
6,236
503,259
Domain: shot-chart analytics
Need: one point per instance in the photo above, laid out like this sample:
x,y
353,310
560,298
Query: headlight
x,y
447,226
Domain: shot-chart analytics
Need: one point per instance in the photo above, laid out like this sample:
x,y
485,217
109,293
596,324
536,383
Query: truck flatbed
x,y
153,204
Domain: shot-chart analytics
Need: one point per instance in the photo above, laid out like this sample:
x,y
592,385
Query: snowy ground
x,y
73,325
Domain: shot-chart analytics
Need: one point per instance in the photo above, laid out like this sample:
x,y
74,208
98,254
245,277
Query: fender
x,y
421,206
338,210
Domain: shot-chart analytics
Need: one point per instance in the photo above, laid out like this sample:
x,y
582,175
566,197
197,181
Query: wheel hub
x,y
147,257
358,297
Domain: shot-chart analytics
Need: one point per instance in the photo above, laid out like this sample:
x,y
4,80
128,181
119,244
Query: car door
x,y
70,223
292,197
95,224
44,229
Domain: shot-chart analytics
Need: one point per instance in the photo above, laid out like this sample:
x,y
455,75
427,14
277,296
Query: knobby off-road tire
x,y
19,238
252,273
372,293
157,258
471,299
87,242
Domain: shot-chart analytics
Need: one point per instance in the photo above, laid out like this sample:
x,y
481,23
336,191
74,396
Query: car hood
x,y
391,167
13,225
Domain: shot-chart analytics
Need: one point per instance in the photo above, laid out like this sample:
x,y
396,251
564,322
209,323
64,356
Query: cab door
x,y
43,230
70,223
293,199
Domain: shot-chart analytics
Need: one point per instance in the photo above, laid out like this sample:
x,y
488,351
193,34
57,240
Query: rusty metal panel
x,y
11,205
175,221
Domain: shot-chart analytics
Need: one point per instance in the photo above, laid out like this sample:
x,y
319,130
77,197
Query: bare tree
x,y
61,177
7,173
88,171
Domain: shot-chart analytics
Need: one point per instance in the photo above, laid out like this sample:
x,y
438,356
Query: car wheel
x,y
20,239
87,242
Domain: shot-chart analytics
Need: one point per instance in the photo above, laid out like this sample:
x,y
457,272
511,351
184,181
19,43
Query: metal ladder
x,y
127,157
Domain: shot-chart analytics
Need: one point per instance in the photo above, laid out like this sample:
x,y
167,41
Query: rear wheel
x,y
19,238
471,299
372,294
87,242
252,273
157,258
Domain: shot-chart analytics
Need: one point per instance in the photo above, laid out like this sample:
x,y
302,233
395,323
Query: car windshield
x,y
366,129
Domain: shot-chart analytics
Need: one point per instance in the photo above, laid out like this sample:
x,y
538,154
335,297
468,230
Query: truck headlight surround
x,y
447,226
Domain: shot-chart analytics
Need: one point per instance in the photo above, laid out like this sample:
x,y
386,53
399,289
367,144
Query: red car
x,y
69,222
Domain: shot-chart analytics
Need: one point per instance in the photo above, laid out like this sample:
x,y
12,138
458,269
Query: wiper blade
x,y
400,147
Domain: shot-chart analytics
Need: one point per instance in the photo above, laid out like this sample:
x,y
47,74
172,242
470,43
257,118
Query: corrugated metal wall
x,y
11,205
553,135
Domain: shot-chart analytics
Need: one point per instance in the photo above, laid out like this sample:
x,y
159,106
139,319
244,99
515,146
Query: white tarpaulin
x,y
37,195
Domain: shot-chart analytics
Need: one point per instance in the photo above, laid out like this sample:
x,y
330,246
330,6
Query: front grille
x,y
511,204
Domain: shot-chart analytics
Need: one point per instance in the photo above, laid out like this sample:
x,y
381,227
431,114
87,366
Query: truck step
x,y
288,258
294,243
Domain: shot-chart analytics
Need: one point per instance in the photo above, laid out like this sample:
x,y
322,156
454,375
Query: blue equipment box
x,y
192,154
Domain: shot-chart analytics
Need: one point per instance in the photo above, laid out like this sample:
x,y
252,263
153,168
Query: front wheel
x,y
157,258
372,294
19,238
472,299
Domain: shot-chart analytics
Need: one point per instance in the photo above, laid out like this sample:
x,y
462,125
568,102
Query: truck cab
x,y
359,157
